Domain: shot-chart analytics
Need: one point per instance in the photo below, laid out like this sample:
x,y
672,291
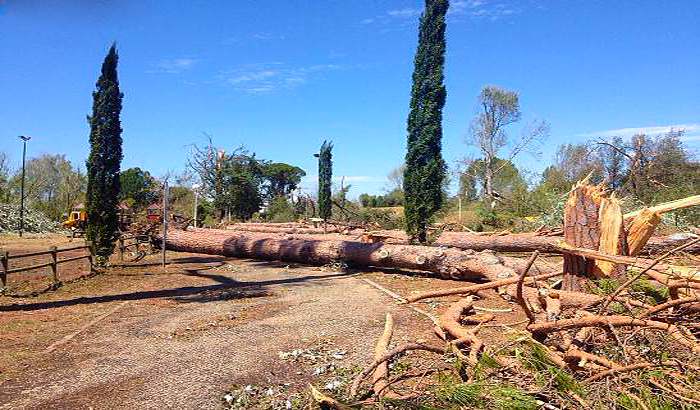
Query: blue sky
x,y
281,76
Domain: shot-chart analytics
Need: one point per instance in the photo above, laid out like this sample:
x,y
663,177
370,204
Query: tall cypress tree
x,y
325,173
425,168
104,161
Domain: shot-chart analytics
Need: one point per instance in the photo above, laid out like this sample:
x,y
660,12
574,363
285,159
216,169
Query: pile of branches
x,y
638,344
627,338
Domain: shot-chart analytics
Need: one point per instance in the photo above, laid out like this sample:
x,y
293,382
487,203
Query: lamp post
x,y
21,194
195,187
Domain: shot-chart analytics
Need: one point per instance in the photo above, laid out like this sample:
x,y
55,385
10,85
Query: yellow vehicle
x,y
76,221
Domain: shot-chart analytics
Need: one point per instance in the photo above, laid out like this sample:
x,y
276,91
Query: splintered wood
x,y
592,220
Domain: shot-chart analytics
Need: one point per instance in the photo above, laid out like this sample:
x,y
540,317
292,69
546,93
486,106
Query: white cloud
x,y
690,129
474,9
268,36
407,12
266,77
174,66
253,76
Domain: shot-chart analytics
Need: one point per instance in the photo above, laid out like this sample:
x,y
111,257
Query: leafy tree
x,y
232,182
325,174
243,179
425,168
138,187
500,108
5,192
282,179
52,185
104,160
280,210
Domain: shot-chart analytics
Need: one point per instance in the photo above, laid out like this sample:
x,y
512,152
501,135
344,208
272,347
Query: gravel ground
x,y
225,326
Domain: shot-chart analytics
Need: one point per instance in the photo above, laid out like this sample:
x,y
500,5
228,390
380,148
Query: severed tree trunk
x,y
445,263
594,221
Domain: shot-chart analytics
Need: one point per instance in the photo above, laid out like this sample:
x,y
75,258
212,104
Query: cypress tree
x,y
325,173
104,161
425,168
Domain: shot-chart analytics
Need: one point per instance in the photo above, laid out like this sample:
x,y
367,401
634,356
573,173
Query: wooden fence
x,y
5,259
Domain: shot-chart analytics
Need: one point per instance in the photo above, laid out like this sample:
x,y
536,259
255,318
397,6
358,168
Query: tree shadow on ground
x,y
226,289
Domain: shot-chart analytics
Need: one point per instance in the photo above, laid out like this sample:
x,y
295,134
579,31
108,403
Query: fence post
x,y
54,264
5,259
120,248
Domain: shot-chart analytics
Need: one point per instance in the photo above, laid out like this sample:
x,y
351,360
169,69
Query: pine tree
x,y
104,160
425,168
325,173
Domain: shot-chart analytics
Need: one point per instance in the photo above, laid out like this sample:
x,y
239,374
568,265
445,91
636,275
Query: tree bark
x,y
445,263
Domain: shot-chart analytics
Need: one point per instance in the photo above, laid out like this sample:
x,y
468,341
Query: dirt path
x,y
181,341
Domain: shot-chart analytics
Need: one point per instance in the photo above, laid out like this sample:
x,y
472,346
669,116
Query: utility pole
x,y
21,199
165,216
195,187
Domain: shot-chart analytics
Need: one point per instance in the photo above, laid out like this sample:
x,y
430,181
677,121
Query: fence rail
x,y
5,258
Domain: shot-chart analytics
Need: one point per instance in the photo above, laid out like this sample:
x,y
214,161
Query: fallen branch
x,y
631,367
669,304
354,387
478,287
519,292
624,286
450,322
615,320
379,377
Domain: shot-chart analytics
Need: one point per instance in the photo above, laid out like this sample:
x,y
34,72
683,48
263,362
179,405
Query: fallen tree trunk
x,y
526,242
446,263
281,230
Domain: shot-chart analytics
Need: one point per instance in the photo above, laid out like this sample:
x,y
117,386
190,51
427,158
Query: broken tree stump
x,y
592,220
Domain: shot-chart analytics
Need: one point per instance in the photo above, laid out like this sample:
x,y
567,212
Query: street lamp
x,y
195,187
21,199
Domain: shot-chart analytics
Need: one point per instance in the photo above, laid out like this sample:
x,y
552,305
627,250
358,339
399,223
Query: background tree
x,y
425,168
499,109
138,188
5,194
282,179
325,175
104,160
232,182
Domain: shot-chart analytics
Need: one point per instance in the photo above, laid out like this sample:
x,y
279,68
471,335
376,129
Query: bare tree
x,y
395,178
500,108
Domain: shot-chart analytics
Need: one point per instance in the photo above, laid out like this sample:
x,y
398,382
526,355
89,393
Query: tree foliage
x,y
425,168
325,176
281,179
232,182
104,160
138,187
5,193
52,185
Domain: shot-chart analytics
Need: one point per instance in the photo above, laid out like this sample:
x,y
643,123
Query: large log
x,y
445,263
526,242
